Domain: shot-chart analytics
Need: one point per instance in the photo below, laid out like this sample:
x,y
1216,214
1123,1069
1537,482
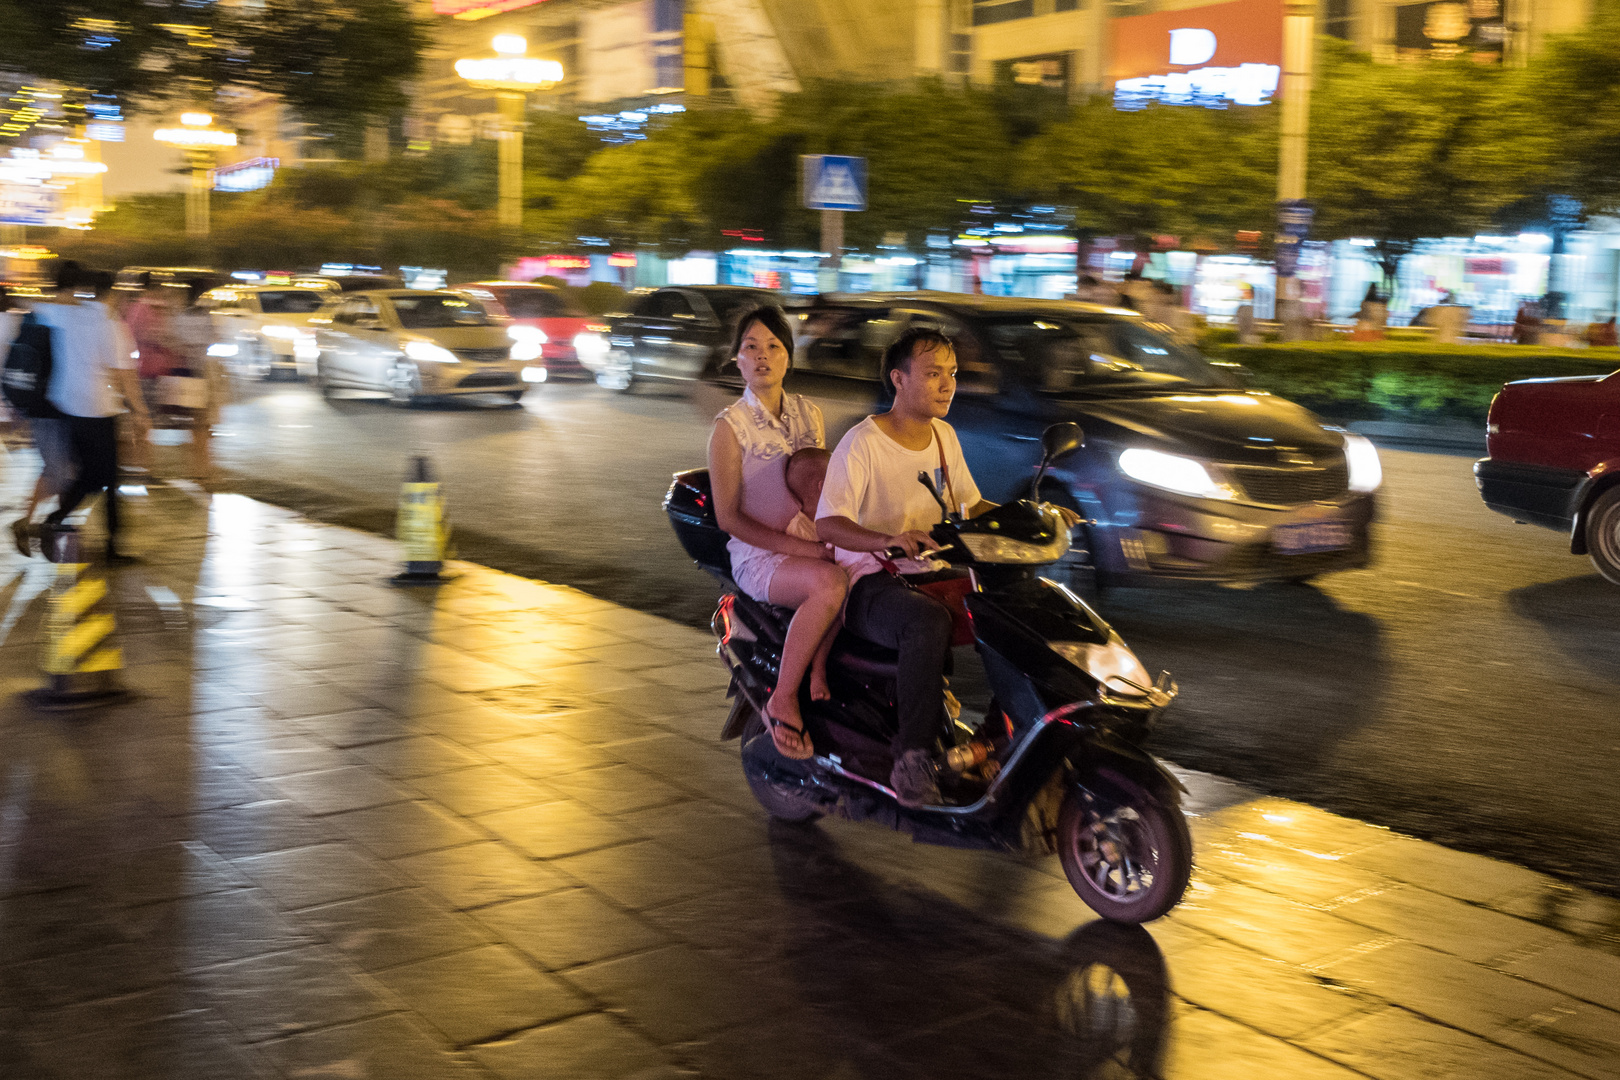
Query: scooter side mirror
x,y
1060,440
1057,441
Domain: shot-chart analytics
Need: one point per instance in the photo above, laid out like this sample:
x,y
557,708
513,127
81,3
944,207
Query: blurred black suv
x,y
1185,474
681,333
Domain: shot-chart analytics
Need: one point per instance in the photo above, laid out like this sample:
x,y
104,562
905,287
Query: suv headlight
x,y
1172,472
1002,549
1366,471
429,352
1113,665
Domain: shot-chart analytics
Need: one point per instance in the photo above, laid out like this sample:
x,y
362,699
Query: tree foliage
x,y
335,63
1404,152
1202,173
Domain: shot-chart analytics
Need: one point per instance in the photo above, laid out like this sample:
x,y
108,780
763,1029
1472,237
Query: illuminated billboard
x,y
479,9
1213,56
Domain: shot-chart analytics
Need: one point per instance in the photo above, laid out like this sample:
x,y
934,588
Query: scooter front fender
x,y
1102,751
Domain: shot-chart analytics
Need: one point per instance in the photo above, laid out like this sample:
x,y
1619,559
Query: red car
x,y
573,342
1555,460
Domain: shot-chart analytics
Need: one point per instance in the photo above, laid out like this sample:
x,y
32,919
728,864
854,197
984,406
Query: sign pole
x,y
832,246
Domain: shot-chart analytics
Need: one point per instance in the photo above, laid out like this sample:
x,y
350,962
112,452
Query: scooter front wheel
x,y
1125,852
769,777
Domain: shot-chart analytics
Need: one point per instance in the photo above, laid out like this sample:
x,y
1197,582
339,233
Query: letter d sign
x,y
1189,47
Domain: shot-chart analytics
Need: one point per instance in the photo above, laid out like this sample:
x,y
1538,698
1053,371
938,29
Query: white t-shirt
x,y
872,481
84,350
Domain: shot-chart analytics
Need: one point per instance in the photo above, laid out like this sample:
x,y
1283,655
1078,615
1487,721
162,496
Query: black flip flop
x,y
772,724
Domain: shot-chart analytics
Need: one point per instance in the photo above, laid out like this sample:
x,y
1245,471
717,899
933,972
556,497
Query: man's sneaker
x,y
915,779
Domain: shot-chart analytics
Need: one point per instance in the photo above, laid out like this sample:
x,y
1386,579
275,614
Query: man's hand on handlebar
x,y
911,542
1070,518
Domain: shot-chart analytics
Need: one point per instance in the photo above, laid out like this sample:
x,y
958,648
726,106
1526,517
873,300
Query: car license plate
x,y
1311,536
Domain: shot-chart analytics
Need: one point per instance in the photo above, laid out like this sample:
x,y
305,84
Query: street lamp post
x,y
199,139
511,76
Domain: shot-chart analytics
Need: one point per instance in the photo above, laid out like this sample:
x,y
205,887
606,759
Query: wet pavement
x,y
1464,688
485,830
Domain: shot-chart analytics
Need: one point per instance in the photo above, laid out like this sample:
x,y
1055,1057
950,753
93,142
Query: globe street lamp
x,y
199,139
511,75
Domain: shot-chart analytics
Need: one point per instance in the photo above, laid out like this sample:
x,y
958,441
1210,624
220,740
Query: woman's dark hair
x,y
771,318
908,344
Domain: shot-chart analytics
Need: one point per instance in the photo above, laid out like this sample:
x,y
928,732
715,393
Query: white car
x,y
263,330
413,344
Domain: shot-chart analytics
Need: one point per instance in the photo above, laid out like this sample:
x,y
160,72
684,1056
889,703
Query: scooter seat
x,y
860,657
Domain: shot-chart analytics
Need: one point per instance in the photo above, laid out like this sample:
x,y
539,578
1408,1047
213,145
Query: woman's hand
x,y
809,549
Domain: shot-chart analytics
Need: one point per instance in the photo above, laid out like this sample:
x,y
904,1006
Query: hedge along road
x,y
1465,688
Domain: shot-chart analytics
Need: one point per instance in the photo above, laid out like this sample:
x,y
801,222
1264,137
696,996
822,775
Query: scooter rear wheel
x,y
1127,854
765,770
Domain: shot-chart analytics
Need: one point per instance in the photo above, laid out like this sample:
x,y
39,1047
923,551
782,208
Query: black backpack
x,y
27,374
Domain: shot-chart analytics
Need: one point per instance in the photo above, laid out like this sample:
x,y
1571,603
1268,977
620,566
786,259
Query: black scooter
x,y
1055,763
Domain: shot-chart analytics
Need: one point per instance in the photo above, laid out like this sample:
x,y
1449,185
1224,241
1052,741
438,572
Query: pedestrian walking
x,y
1602,334
193,389
47,427
92,380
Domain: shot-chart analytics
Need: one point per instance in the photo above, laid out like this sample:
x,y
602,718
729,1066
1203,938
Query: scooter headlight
x,y
986,548
1113,665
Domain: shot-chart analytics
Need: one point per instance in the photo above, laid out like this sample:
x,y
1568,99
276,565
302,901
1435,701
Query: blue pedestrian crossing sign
x,y
834,183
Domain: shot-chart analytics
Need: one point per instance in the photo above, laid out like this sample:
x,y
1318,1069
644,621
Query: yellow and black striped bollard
x,y
80,658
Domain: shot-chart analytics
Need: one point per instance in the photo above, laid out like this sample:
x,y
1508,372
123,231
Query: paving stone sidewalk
x,y
485,830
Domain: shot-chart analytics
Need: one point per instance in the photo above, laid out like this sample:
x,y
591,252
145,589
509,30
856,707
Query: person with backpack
x,y
25,382
91,379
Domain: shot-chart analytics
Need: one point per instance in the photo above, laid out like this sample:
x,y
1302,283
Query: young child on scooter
x,y
806,473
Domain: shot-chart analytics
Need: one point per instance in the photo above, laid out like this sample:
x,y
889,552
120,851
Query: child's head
x,y
806,472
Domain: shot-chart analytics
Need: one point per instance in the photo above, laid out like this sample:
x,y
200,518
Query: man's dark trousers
x,y
94,440
885,610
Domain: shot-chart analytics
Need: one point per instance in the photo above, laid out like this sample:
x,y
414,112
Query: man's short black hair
x,y
908,344
771,318
70,275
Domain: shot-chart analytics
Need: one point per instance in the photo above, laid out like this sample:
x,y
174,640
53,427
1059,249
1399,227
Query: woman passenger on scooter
x,y
748,452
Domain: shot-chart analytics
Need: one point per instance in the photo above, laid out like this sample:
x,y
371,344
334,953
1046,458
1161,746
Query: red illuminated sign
x,y
479,9
621,260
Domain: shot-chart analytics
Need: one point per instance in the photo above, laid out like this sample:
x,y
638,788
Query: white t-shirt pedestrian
x,y
872,481
84,350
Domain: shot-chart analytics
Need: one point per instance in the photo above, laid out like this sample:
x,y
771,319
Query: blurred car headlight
x,y
590,347
527,333
222,349
282,333
429,352
534,374
1366,471
1113,665
1173,472
1001,549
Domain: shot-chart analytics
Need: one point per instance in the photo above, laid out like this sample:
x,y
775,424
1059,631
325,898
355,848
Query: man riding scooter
x,y
872,502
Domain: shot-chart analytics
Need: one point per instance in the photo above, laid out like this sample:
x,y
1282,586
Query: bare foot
x,y
819,691
787,730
